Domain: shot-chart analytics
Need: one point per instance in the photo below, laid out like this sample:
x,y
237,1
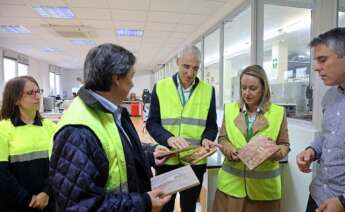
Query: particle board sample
x,y
176,180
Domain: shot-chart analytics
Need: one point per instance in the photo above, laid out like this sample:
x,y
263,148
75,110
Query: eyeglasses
x,y
186,66
34,92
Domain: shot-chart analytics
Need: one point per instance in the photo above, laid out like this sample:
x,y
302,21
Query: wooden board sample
x,y
198,154
176,180
174,151
258,150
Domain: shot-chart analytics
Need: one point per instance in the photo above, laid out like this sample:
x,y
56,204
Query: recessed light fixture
x,y
129,32
54,12
83,42
51,50
13,29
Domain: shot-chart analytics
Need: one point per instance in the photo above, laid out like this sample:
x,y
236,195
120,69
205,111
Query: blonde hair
x,y
258,72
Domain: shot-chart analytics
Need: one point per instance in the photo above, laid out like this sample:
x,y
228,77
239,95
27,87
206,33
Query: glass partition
x,y
287,58
211,61
237,32
341,13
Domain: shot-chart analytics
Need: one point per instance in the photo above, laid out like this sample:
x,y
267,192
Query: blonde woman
x,y
238,188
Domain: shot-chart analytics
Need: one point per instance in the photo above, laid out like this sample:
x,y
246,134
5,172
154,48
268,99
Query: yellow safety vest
x,y
104,127
187,121
234,178
25,143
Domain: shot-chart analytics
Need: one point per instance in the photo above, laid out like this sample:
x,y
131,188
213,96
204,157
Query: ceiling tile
x,y
156,34
47,2
186,28
16,2
160,27
128,15
180,35
203,7
193,19
17,11
88,3
170,5
164,17
97,24
56,21
92,13
26,22
130,4
129,25
105,33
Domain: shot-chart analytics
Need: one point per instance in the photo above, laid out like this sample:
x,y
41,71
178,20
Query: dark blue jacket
x,y
79,169
161,135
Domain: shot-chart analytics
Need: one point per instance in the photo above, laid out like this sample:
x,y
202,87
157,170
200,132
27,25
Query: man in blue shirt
x,y
98,162
327,190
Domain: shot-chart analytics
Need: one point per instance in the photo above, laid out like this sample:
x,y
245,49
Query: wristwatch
x,y
342,200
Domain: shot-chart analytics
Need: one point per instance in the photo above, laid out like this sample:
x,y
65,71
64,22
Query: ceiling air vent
x,y
72,31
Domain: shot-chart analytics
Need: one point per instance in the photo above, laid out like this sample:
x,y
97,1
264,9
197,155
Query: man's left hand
x,y
208,144
159,150
331,205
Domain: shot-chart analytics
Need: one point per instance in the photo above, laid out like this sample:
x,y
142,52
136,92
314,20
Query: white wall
x,y
69,81
69,76
40,71
295,184
142,81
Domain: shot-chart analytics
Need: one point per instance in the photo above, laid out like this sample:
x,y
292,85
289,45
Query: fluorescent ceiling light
x,y
13,29
130,32
51,50
54,12
83,42
301,23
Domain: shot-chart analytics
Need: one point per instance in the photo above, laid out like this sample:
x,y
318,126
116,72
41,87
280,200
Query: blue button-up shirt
x,y
114,109
330,148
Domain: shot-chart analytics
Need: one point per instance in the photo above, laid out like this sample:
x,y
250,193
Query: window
x,y
22,69
211,62
287,58
57,84
341,13
236,53
51,83
198,44
54,84
9,69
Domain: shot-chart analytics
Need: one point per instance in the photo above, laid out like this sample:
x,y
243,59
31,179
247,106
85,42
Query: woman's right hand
x,y
234,156
229,152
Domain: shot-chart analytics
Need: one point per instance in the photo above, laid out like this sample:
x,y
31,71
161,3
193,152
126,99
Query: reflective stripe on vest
x,y
263,183
104,127
251,173
29,156
188,122
26,142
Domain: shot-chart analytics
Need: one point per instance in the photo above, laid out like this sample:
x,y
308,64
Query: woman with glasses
x,y
24,142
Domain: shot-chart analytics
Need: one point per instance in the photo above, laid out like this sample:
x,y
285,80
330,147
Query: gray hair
x,y
104,61
334,39
189,49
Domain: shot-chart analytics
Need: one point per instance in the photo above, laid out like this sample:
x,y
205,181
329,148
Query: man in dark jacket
x,y
98,163
183,113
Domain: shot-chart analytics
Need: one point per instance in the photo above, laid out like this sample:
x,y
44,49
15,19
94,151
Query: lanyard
x,y
183,98
249,126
